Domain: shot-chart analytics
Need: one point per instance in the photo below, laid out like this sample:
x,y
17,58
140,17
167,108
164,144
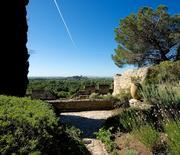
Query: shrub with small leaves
x,y
25,125
106,137
30,126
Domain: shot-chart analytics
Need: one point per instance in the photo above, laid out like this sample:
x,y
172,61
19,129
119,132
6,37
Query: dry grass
x,y
127,142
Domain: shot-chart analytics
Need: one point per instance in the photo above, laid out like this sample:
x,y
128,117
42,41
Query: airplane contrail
x,y
64,22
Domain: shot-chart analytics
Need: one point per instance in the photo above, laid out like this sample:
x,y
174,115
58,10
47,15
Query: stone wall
x,y
81,105
123,82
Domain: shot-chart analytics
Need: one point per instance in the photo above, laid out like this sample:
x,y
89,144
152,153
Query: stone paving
x,y
89,122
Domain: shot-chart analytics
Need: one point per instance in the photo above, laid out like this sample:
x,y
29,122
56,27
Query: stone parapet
x,y
81,105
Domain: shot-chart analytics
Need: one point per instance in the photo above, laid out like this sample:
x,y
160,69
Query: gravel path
x,y
89,122
95,146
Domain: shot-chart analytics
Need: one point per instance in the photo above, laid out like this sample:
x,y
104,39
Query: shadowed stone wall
x,y
81,105
13,55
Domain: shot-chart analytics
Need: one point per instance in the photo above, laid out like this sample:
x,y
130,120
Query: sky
x,y
87,47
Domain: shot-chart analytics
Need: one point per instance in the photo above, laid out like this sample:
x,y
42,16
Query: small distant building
x,y
42,95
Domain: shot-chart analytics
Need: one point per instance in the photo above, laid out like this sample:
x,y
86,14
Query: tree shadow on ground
x,y
87,125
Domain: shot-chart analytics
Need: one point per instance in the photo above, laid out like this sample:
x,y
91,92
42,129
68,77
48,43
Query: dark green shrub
x,y
25,125
63,94
28,126
106,137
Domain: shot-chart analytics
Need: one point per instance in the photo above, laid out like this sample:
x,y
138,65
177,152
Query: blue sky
x,y
91,23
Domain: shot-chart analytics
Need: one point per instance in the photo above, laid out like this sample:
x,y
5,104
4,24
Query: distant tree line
x,y
65,87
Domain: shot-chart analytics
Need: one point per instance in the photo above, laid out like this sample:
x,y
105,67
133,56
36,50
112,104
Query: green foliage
x,y
163,96
165,72
70,142
25,125
30,126
147,37
165,101
95,96
131,152
109,97
146,124
161,89
172,129
106,97
123,98
106,137
147,135
127,120
73,132
131,119
63,94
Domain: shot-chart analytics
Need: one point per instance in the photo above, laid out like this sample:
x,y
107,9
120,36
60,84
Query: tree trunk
x,y
14,55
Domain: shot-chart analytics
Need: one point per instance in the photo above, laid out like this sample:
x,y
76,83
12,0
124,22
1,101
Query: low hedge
x,y
30,126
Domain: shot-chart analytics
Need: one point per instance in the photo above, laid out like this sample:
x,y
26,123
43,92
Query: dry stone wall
x,y
123,82
82,105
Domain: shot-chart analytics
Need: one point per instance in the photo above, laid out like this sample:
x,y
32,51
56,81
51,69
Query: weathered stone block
x,y
123,81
